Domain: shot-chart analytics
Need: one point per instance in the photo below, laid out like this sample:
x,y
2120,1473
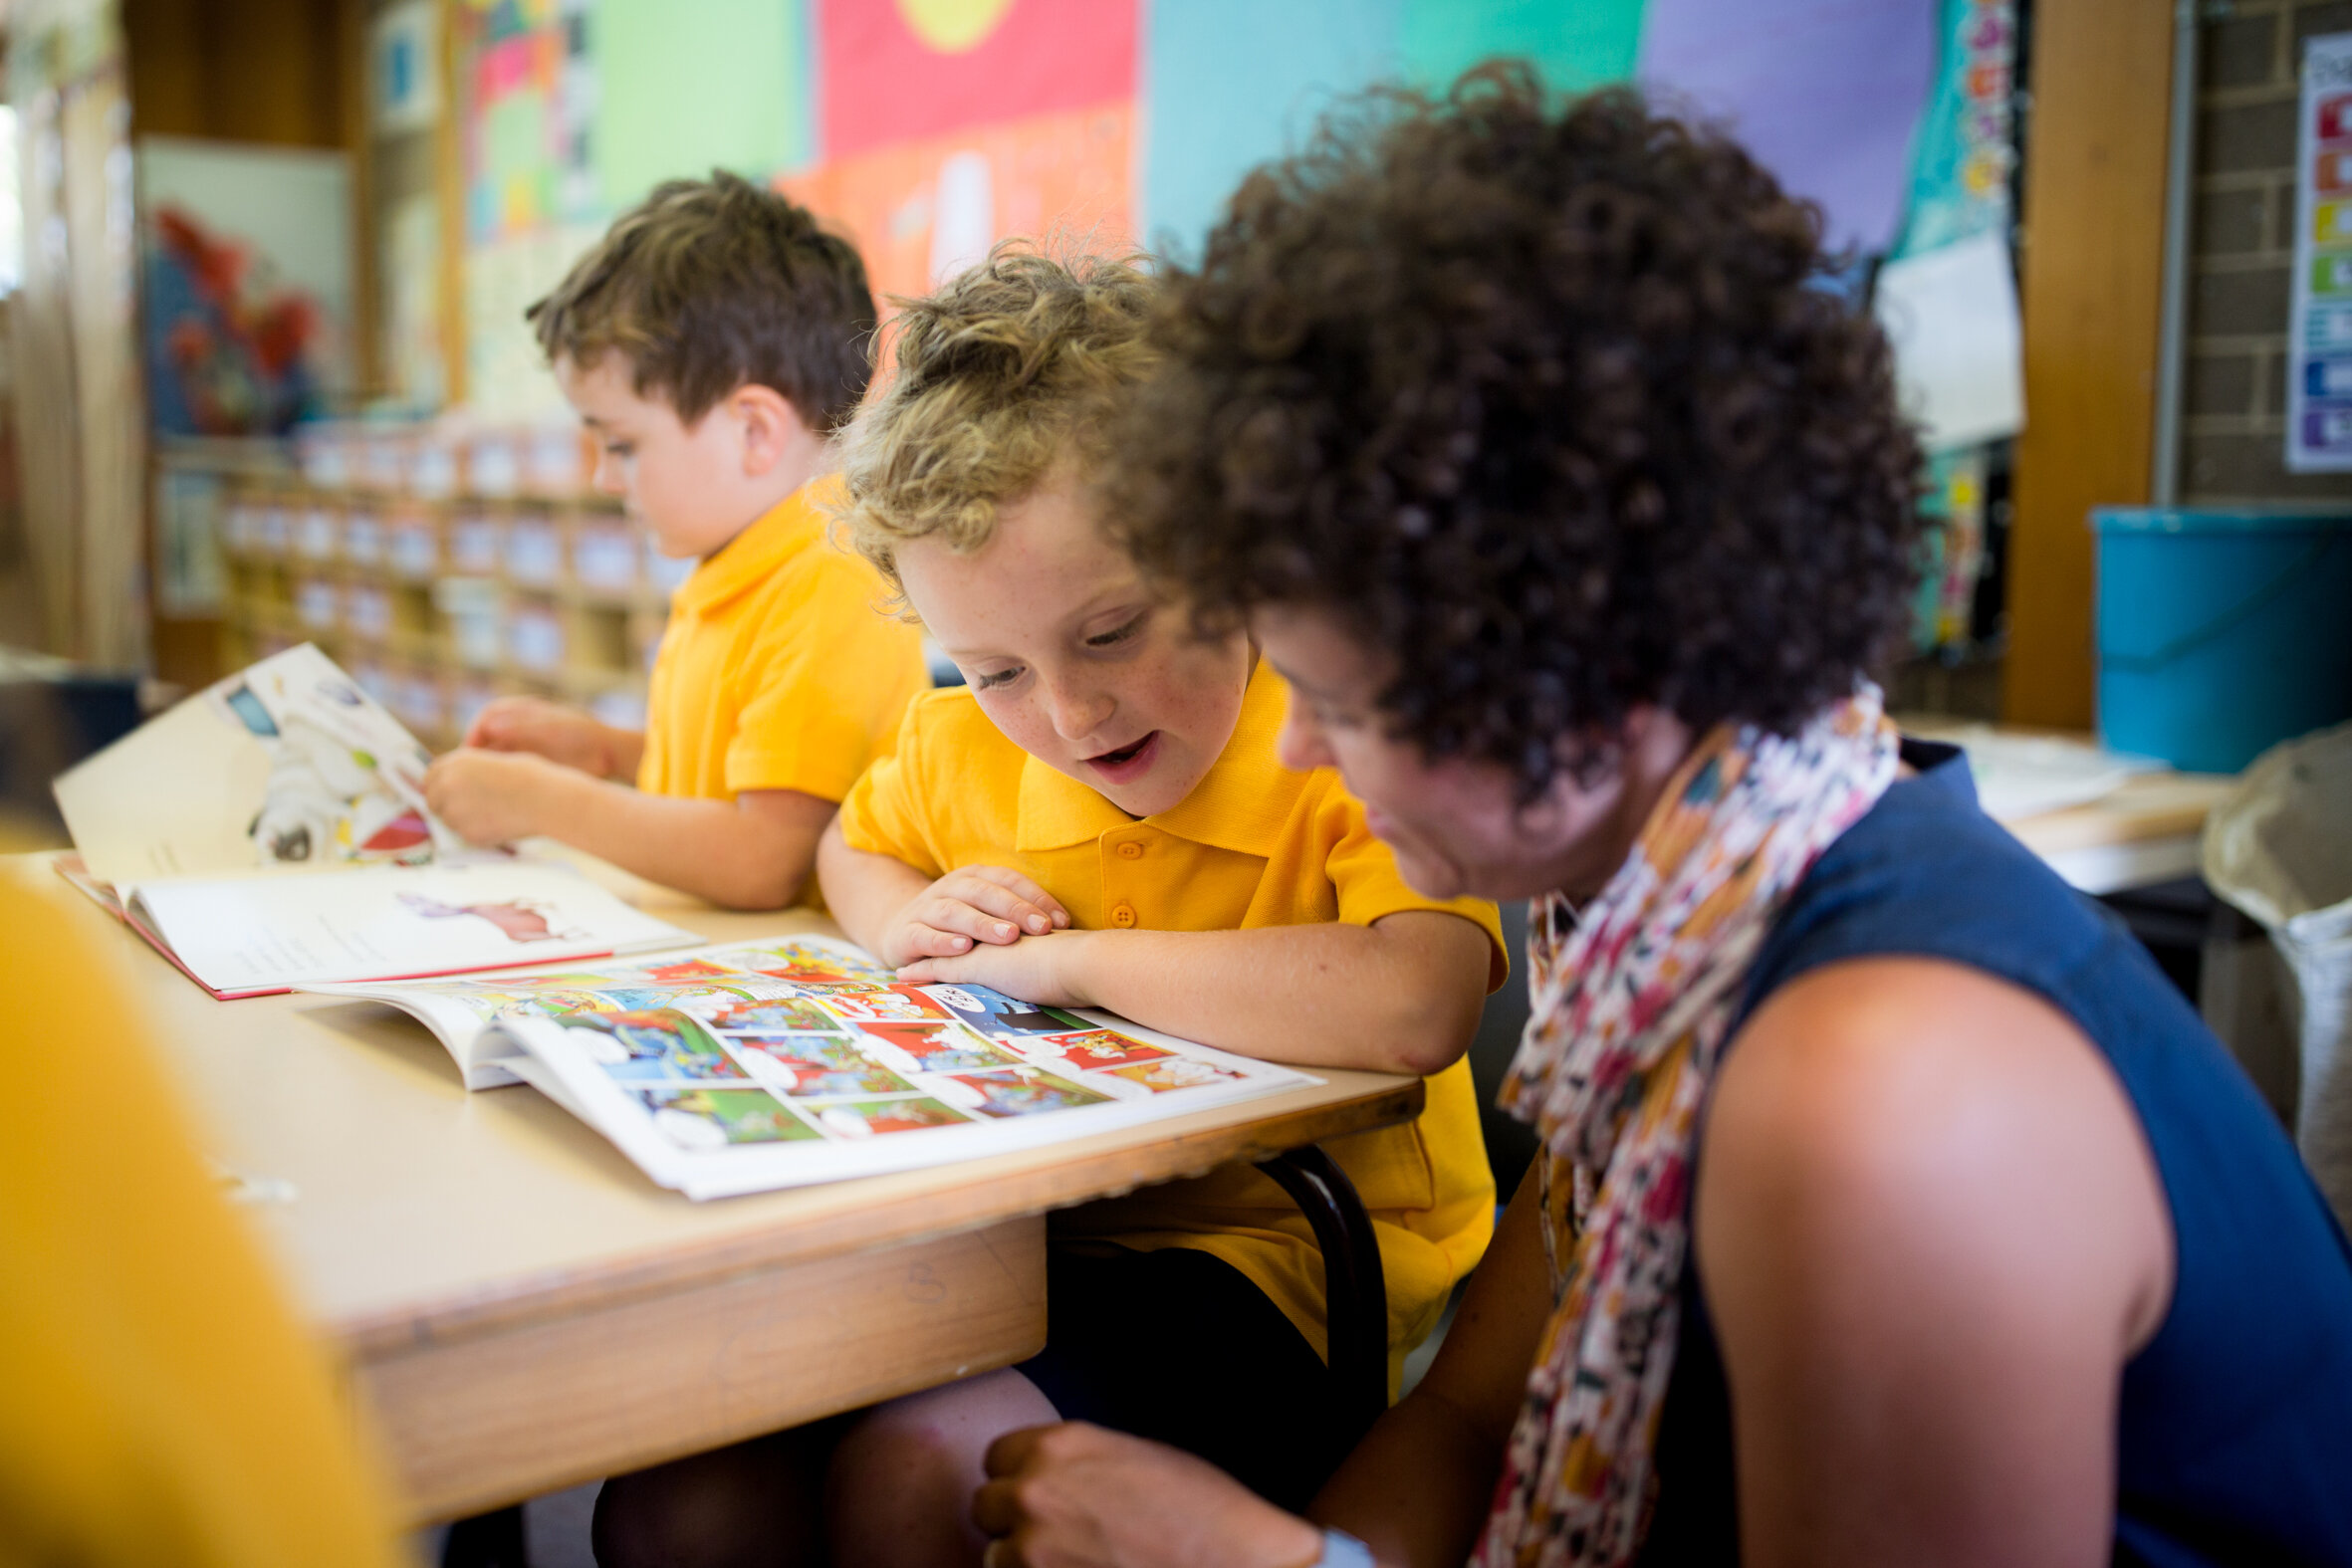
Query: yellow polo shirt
x,y
777,670
1253,845
161,1404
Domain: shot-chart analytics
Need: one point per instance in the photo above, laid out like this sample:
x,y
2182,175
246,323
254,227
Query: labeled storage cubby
x,y
444,571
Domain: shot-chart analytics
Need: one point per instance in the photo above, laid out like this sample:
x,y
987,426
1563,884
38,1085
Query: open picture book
x,y
754,1065
272,830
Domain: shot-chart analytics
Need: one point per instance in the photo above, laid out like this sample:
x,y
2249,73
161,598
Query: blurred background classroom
x,y
265,380
266,260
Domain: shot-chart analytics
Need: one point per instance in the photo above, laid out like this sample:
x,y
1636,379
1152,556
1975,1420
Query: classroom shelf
x,y
437,601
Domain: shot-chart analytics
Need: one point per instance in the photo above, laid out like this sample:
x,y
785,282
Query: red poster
x,y
2335,118
906,70
921,209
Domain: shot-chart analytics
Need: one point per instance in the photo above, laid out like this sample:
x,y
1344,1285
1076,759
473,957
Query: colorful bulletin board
x,y
947,125
929,128
2319,344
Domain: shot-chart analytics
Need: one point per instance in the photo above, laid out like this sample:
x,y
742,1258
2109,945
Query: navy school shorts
x,y
1180,1347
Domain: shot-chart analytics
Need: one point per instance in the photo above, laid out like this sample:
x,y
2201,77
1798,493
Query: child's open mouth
x,y
1128,762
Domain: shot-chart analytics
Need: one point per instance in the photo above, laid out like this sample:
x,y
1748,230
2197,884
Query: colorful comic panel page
x,y
873,1118
993,1014
1017,1091
563,980
940,1047
1091,1048
651,1046
775,1016
808,1066
488,1003
805,963
887,1003
688,969
705,997
701,1119
1175,1072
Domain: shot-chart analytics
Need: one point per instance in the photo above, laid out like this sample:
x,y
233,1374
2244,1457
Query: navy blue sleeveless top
x,y
2235,1431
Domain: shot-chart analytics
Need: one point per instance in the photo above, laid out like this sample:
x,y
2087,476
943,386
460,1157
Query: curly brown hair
x,y
711,285
1013,366
1548,401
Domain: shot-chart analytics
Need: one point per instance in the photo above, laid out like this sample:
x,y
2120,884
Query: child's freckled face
x,y
1072,655
672,477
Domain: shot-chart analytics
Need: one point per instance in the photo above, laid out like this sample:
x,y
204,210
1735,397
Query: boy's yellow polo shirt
x,y
1253,845
778,671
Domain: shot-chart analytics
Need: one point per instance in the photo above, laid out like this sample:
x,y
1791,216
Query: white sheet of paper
x,y
2021,775
1952,316
172,797
390,922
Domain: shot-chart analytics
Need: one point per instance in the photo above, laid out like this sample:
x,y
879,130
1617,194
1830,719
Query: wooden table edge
x,y
1038,1184
2100,824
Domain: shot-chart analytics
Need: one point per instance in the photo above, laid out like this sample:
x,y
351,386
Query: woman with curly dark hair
x,y
1891,1208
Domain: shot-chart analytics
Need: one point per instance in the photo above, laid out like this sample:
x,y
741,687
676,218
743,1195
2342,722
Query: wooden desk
x,y
2147,832
2135,828
524,1312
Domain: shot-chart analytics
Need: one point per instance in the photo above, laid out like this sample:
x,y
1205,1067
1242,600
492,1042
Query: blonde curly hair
x,y
1012,368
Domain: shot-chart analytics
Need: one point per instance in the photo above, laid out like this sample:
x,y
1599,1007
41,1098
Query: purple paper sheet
x,y
1825,93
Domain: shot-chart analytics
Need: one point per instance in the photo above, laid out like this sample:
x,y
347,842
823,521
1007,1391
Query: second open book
x,y
272,830
753,1065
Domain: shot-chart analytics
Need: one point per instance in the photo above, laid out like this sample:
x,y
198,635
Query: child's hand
x,y
974,904
530,724
493,797
1045,970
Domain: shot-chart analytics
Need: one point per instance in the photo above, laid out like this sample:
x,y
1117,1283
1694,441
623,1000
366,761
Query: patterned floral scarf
x,y
1632,1002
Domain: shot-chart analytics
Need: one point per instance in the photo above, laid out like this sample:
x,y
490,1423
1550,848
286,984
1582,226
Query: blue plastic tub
x,y
2221,633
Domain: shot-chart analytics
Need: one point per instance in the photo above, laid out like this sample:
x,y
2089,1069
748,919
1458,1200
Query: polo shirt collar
x,y
1241,805
782,532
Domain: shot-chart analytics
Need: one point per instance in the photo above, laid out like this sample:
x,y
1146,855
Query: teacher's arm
x,y
1419,1485
1415,1490
1930,1233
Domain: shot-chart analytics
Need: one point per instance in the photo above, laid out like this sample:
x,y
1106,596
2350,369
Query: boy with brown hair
x,y
712,343
1102,817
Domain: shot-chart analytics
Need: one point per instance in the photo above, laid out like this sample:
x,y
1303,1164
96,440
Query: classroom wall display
x,y
948,124
246,259
1825,93
924,210
931,129
403,67
1966,148
2319,331
683,89
1951,259
1951,316
529,89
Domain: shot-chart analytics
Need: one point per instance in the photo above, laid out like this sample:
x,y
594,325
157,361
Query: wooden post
x,y
2093,258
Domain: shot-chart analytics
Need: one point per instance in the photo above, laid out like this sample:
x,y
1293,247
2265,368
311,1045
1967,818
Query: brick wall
x,y
2233,425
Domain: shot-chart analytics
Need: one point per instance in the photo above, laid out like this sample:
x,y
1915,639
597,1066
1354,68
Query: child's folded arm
x,y
1401,994
901,914
753,852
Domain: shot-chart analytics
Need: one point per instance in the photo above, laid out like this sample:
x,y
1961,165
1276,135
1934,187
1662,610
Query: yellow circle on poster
x,y
953,26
